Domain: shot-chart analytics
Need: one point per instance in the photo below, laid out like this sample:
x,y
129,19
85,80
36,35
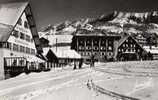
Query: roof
x,y
95,32
84,32
72,54
11,12
9,16
45,50
122,40
5,30
35,59
152,50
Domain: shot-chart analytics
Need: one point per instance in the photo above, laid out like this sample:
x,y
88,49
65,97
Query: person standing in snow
x,y
80,63
92,61
74,66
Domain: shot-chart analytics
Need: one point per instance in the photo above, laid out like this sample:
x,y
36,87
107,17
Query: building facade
x,y
129,49
19,39
62,58
104,46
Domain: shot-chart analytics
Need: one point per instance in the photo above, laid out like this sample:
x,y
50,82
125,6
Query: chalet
x,y
152,52
127,48
141,40
105,46
19,40
61,58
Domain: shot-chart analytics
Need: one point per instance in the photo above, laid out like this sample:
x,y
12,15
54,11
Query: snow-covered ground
x,y
67,84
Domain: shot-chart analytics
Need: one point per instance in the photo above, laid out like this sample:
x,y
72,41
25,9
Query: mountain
x,y
145,23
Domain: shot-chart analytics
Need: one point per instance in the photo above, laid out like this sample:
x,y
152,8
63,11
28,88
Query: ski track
x,y
12,89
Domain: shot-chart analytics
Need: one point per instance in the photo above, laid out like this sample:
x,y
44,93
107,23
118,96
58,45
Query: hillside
x,y
145,24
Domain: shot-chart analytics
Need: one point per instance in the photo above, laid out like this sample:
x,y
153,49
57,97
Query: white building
x,y
19,40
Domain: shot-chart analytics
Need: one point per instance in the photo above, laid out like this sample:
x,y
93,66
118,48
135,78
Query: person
x,y
80,63
74,66
92,61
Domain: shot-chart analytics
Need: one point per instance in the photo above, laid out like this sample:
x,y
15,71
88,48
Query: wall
x,y
1,65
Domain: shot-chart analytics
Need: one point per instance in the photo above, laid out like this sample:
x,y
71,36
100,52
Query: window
x,y
15,47
9,45
28,39
81,48
88,41
20,21
96,42
26,25
134,45
22,49
109,42
22,36
119,50
95,48
27,50
101,48
81,42
123,45
32,51
32,40
131,45
110,48
102,53
103,42
15,33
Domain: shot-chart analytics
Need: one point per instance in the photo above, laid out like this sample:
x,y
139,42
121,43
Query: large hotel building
x,y
106,46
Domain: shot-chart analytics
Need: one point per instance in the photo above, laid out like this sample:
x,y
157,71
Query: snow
x,y
152,50
66,54
58,38
68,84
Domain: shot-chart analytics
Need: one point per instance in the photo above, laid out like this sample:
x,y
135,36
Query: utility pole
x,y
56,44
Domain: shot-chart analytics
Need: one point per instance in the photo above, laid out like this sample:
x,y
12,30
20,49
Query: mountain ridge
x,y
135,23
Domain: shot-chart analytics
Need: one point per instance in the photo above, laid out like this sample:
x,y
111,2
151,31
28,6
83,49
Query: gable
x,y
10,14
22,35
129,41
51,56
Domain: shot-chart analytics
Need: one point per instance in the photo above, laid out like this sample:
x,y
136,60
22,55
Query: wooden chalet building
x,y
19,40
106,46
61,58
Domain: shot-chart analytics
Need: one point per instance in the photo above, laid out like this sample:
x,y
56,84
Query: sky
x,y
56,11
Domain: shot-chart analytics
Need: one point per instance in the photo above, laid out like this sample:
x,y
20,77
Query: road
x,y
71,84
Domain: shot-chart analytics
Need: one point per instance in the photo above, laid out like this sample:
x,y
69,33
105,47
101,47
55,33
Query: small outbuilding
x,y
61,58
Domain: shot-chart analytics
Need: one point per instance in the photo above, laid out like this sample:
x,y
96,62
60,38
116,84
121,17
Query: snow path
x,y
71,84
35,85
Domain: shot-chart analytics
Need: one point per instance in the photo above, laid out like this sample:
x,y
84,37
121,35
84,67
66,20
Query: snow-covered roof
x,y
58,38
11,12
9,16
153,49
66,54
45,51
35,59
